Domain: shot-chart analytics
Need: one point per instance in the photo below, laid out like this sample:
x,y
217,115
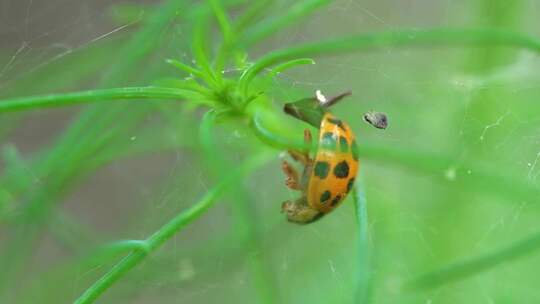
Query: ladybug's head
x,y
311,110
308,110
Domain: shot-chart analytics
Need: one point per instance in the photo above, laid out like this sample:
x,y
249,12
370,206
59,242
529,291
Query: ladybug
x,y
329,175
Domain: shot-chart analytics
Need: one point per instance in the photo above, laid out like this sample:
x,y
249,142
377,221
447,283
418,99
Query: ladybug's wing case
x,y
335,165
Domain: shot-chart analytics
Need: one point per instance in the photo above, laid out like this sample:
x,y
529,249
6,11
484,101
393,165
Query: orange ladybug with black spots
x,y
327,177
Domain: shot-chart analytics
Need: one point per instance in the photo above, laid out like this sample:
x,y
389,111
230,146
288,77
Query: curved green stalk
x,y
435,165
363,290
289,64
499,181
201,50
168,230
244,221
271,139
271,26
468,175
227,33
482,179
184,67
370,41
223,20
252,13
57,100
144,41
467,268
79,142
207,142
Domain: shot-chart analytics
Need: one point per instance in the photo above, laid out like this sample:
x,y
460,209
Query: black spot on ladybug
x,y
337,122
341,170
343,144
329,141
321,169
325,196
354,149
336,200
350,184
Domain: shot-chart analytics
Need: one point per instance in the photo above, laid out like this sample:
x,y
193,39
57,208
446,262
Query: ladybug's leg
x,y
307,136
308,139
299,156
291,180
303,156
299,212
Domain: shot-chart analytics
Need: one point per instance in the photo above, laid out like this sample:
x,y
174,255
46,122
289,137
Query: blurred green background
x,y
454,177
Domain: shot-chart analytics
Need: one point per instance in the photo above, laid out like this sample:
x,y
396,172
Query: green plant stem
x,y
363,42
289,64
80,142
363,290
105,95
144,41
223,20
168,230
227,33
293,14
272,139
201,50
468,175
254,12
184,67
244,218
207,142
67,231
467,268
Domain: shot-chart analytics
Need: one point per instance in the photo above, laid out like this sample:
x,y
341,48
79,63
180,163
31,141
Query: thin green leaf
x,y
124,13
292,15
364,272
207,142
243,216
254,12
471,267
186,68
126,246
201,50
68,231
144,41
499,181
223,20
69,70
80,141
364,42
57,100
169,230
227,32
469,175
272,139
288,65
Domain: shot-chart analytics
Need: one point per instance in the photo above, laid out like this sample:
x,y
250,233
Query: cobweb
x,y
35,33
418,221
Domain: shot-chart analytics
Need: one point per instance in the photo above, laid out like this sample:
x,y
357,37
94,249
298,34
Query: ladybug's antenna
x,y
326,103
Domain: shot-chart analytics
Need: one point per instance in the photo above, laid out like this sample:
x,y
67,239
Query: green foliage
x,y
138,110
